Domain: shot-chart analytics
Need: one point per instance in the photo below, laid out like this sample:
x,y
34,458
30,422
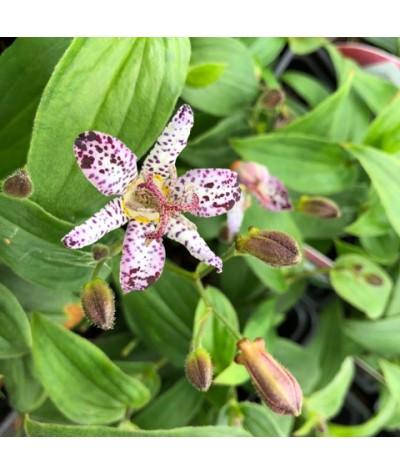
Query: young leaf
x,y
306,86
202,75
265,49
262,422
83,383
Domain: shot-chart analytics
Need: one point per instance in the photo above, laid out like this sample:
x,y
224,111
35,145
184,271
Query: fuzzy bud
x,y
199,369
98,303
18,185
277,387
319,206
273,247
99,252
273,98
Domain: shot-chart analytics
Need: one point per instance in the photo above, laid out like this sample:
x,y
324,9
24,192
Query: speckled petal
x,y
170,143
217,189
272,195
106,162
142,262
108,218
235,215
184,232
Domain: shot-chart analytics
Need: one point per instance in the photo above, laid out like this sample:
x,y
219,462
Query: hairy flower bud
x,y
18,185
273,247
98,303
99,252
199,369
277,387
319,206
273,98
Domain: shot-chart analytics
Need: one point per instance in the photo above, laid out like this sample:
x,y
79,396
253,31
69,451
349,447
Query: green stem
x,y
179,271
200,328
204,269
97,269
127,349
306,274
160,363
368,369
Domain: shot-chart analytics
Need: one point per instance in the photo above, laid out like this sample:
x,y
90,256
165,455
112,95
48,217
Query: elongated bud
x,y
276,385
319,206
273,98
199,369
98,303
18,185
99,252
273,247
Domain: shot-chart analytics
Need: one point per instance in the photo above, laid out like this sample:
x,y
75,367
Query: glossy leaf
x,y
25,68
122,86
262,422
306,86
30,243
236,87
83,383
176,407
15,333
265,49
325,166
362,283
203,75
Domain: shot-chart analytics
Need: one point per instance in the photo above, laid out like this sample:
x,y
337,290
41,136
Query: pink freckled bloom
x,y
255,180
151,202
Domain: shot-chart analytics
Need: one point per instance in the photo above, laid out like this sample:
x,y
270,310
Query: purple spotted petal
x,y
106,162
108,218
272,195
142,262
236,214
216,188
184,232
170,143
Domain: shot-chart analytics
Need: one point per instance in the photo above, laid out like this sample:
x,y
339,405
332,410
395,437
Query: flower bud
x,y
273,98
18,185
273,247
199,369
319,206
99,252
98,304
277,387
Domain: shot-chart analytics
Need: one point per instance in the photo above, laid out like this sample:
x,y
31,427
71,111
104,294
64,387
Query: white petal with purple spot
x,y
107,219
236,214
170,143
272,195
106,162
184,232
142,261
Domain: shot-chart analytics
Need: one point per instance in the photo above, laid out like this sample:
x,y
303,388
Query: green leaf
x,y
393,308
382,249
233,375
236,87
83,383
325,166
318,228
163,315
126,87
391,373
24,390
144,372
303,45
389,44
217,339
15,333
328,400
40,429
30,243
384,132
262,422
174,408
306,86
25,68
262,321
202,75
384,172
265,49
362,283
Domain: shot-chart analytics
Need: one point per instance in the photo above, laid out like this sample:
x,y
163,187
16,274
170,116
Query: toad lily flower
x,y
152,201
268,191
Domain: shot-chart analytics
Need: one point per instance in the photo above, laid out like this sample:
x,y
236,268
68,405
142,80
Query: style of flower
x,y
152,201
255,180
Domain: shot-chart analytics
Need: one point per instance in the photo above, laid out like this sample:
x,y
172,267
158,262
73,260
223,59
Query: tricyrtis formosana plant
x,y
272,167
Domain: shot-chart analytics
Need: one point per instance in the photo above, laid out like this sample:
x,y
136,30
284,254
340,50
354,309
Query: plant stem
x,y
127,349
179,271
304,275
203,270
200,328
368,369
97,269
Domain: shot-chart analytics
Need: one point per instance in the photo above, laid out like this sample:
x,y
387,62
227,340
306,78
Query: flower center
x,y
150,200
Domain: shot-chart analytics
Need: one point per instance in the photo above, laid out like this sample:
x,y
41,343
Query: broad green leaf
x,y
393,308
381,337
306,86
233,375
30,243
262,422
174,408
202,75
384,132
40,429
313,227
304,45
390,44
163,315
24,390
382,249
125,87
304,163
145,372
235,88
265,50
15,333
362,283
217,339
384,172
328,400
391,373
263,320
25,68
83,383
